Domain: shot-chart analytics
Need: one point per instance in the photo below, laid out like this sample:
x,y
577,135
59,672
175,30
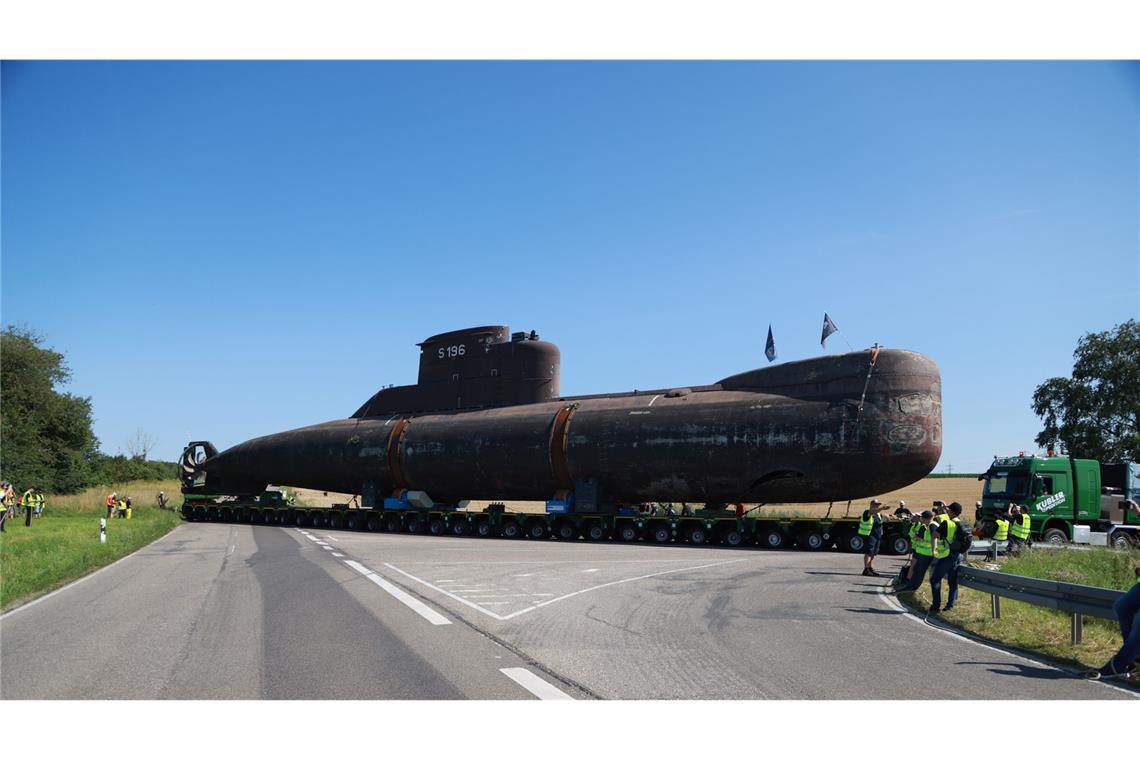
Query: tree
x,y
47,437
140,444
1095,414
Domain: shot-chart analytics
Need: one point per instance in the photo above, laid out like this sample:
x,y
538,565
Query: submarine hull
x,y
831,428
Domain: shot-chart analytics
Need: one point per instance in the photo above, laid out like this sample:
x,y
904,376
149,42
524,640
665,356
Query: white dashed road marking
x,y
534,684
416,605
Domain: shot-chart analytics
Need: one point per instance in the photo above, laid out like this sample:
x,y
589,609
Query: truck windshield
x,y
1008,485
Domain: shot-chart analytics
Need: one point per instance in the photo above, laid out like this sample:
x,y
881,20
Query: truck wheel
x,y
335,521
812,540
661,534
392,524
1055,536
566,531
255,517
595,532
459,527
1120,540
412,524
536,529
373,524
484,529
853,543
437,527
511,529
697,535
628,532
316,519
733,537
773,538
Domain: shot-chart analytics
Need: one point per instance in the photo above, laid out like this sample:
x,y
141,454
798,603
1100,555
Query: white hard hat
x,y
902,503
977,504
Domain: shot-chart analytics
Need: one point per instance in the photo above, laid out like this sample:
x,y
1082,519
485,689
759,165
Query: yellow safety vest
x,y
1002,532
865,526
1021,529
28,498
921,542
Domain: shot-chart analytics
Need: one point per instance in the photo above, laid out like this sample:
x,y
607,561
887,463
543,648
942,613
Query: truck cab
x,y
1059,492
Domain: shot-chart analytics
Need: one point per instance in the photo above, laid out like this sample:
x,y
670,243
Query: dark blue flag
x,y
828,328
770,347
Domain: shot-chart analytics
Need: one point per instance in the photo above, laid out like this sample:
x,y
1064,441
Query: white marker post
x,y
102,530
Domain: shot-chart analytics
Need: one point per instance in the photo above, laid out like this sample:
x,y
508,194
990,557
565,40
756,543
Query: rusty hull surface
x,y
483,425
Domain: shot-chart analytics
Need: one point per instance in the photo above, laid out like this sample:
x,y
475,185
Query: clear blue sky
x,y
224,250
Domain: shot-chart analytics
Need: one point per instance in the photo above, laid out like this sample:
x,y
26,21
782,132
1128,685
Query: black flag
x,y
828,328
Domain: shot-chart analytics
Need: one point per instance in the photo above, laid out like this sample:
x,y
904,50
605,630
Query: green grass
x,y
63,544
1036,628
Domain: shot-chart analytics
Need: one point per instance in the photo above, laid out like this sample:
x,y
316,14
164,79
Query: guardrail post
x,y
1078,627
995,606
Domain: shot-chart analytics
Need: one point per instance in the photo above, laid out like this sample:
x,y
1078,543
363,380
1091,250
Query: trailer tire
x,y
773,538
1121,540
898,545
854,543
373,523
628,532
697,535
412,524
811,539
536,529
566,531
1055,536
511,529
336,519
351,521
661,534
459,528
316,519
596,532
437,527
392,524
484,529
732,537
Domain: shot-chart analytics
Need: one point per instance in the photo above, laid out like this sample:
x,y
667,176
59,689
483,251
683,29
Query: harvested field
x,y
918,496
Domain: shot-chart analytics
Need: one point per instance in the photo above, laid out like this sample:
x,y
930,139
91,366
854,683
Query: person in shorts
x,y
871,528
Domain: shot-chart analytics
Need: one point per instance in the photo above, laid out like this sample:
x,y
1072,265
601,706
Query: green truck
x,y
1069,500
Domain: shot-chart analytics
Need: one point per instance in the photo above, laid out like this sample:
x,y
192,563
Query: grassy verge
x,y
1036,628
63,544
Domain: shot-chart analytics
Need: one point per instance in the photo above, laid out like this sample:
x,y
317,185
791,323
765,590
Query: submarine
x,y
487,420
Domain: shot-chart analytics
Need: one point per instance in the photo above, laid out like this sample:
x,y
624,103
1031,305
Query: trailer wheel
x,y
733,537
412,524
484,529
373,523
773,538
628,532
336,519
661,534
812,540
511,529
459,528
1121,540
900,545
227,515
536,529
697,535
392,524
1055,536
853,543
566,531
595,531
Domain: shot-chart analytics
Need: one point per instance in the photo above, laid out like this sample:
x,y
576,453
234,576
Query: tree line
x,y
46,436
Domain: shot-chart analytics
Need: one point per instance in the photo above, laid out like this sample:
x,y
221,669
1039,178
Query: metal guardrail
x,y
1073,598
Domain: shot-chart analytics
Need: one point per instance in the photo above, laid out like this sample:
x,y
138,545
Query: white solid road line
x,y
895,604
416,605
534,684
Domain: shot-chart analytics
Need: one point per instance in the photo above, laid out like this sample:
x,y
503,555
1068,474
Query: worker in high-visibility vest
x,y
1019,526
1126,661
871,529
948,557
1001,534
922,541
39,503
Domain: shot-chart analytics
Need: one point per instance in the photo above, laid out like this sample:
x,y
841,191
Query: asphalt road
x,y
216,611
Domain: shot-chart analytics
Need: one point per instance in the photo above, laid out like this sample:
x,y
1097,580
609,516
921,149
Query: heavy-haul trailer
x,y
701,528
